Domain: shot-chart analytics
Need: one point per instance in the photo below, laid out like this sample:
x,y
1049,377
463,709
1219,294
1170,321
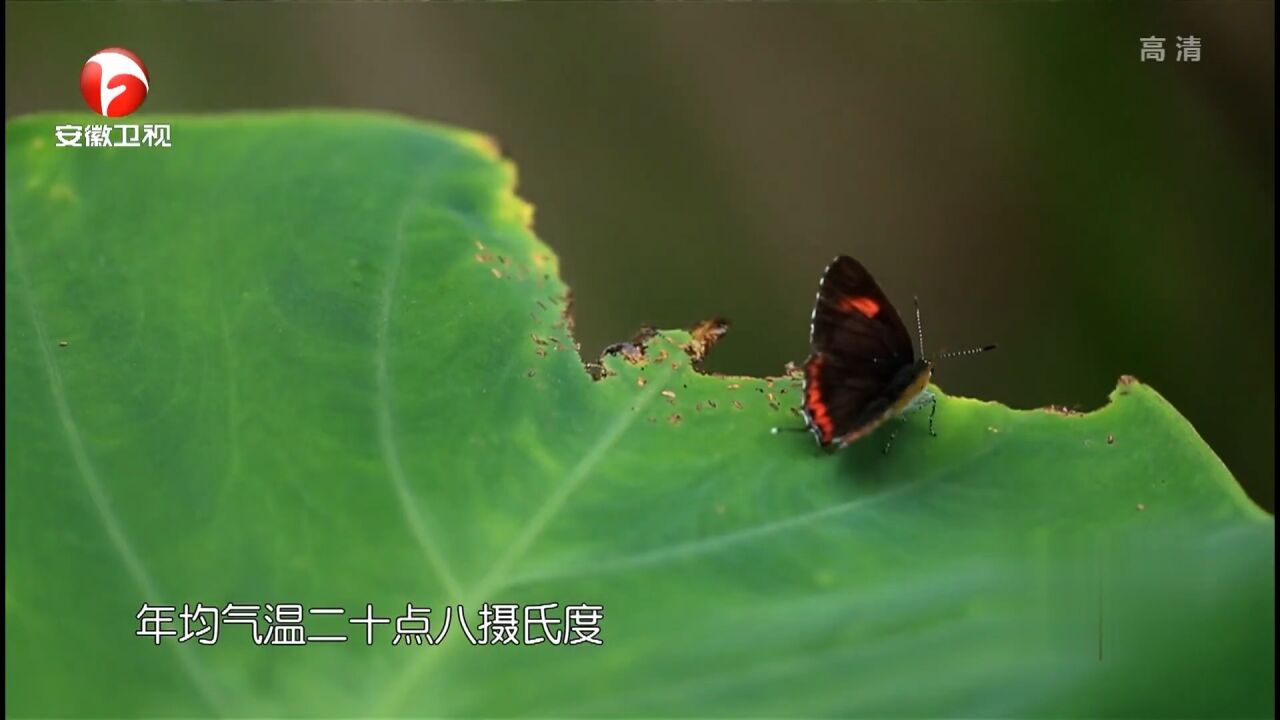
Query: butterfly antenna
x,y
919,326
962,353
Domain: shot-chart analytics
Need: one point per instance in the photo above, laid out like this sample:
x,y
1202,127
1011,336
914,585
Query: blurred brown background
x,y
1013,164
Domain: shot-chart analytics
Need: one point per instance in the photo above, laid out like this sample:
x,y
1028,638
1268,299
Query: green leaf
x,y
321,358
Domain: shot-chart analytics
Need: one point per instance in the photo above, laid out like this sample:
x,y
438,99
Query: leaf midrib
x,y
91,481
397,690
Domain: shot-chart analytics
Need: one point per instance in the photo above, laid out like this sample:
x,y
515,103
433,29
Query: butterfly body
x,y
862,370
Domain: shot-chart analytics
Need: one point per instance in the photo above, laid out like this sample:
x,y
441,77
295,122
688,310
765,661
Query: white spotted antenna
x,y
970,351
945,355
919,325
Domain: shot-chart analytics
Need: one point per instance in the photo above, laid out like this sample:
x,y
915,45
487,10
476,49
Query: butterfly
x,y
862,370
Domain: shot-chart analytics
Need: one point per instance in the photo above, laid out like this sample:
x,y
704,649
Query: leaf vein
x,y
89,476
413,514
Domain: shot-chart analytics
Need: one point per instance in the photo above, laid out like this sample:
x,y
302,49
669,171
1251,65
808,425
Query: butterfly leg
x,y
780,430
933,401
892,434
919,402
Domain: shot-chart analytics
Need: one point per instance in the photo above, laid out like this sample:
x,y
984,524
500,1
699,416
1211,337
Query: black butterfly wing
x,y
860,350
854,320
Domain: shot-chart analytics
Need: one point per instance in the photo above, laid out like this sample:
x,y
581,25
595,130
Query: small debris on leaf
x,y
703,336
633,350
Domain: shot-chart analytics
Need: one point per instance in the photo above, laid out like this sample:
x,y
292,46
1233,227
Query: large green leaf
x,y
322,359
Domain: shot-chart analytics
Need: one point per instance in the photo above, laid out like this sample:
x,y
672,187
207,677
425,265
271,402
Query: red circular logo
x,y
114,82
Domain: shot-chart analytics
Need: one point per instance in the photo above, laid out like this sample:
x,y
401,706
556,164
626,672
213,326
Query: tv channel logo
x,y
114,82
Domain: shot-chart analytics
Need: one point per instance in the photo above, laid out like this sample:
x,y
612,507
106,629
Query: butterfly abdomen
x,y
914,390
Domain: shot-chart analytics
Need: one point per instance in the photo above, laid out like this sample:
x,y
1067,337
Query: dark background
x,y
1014,165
